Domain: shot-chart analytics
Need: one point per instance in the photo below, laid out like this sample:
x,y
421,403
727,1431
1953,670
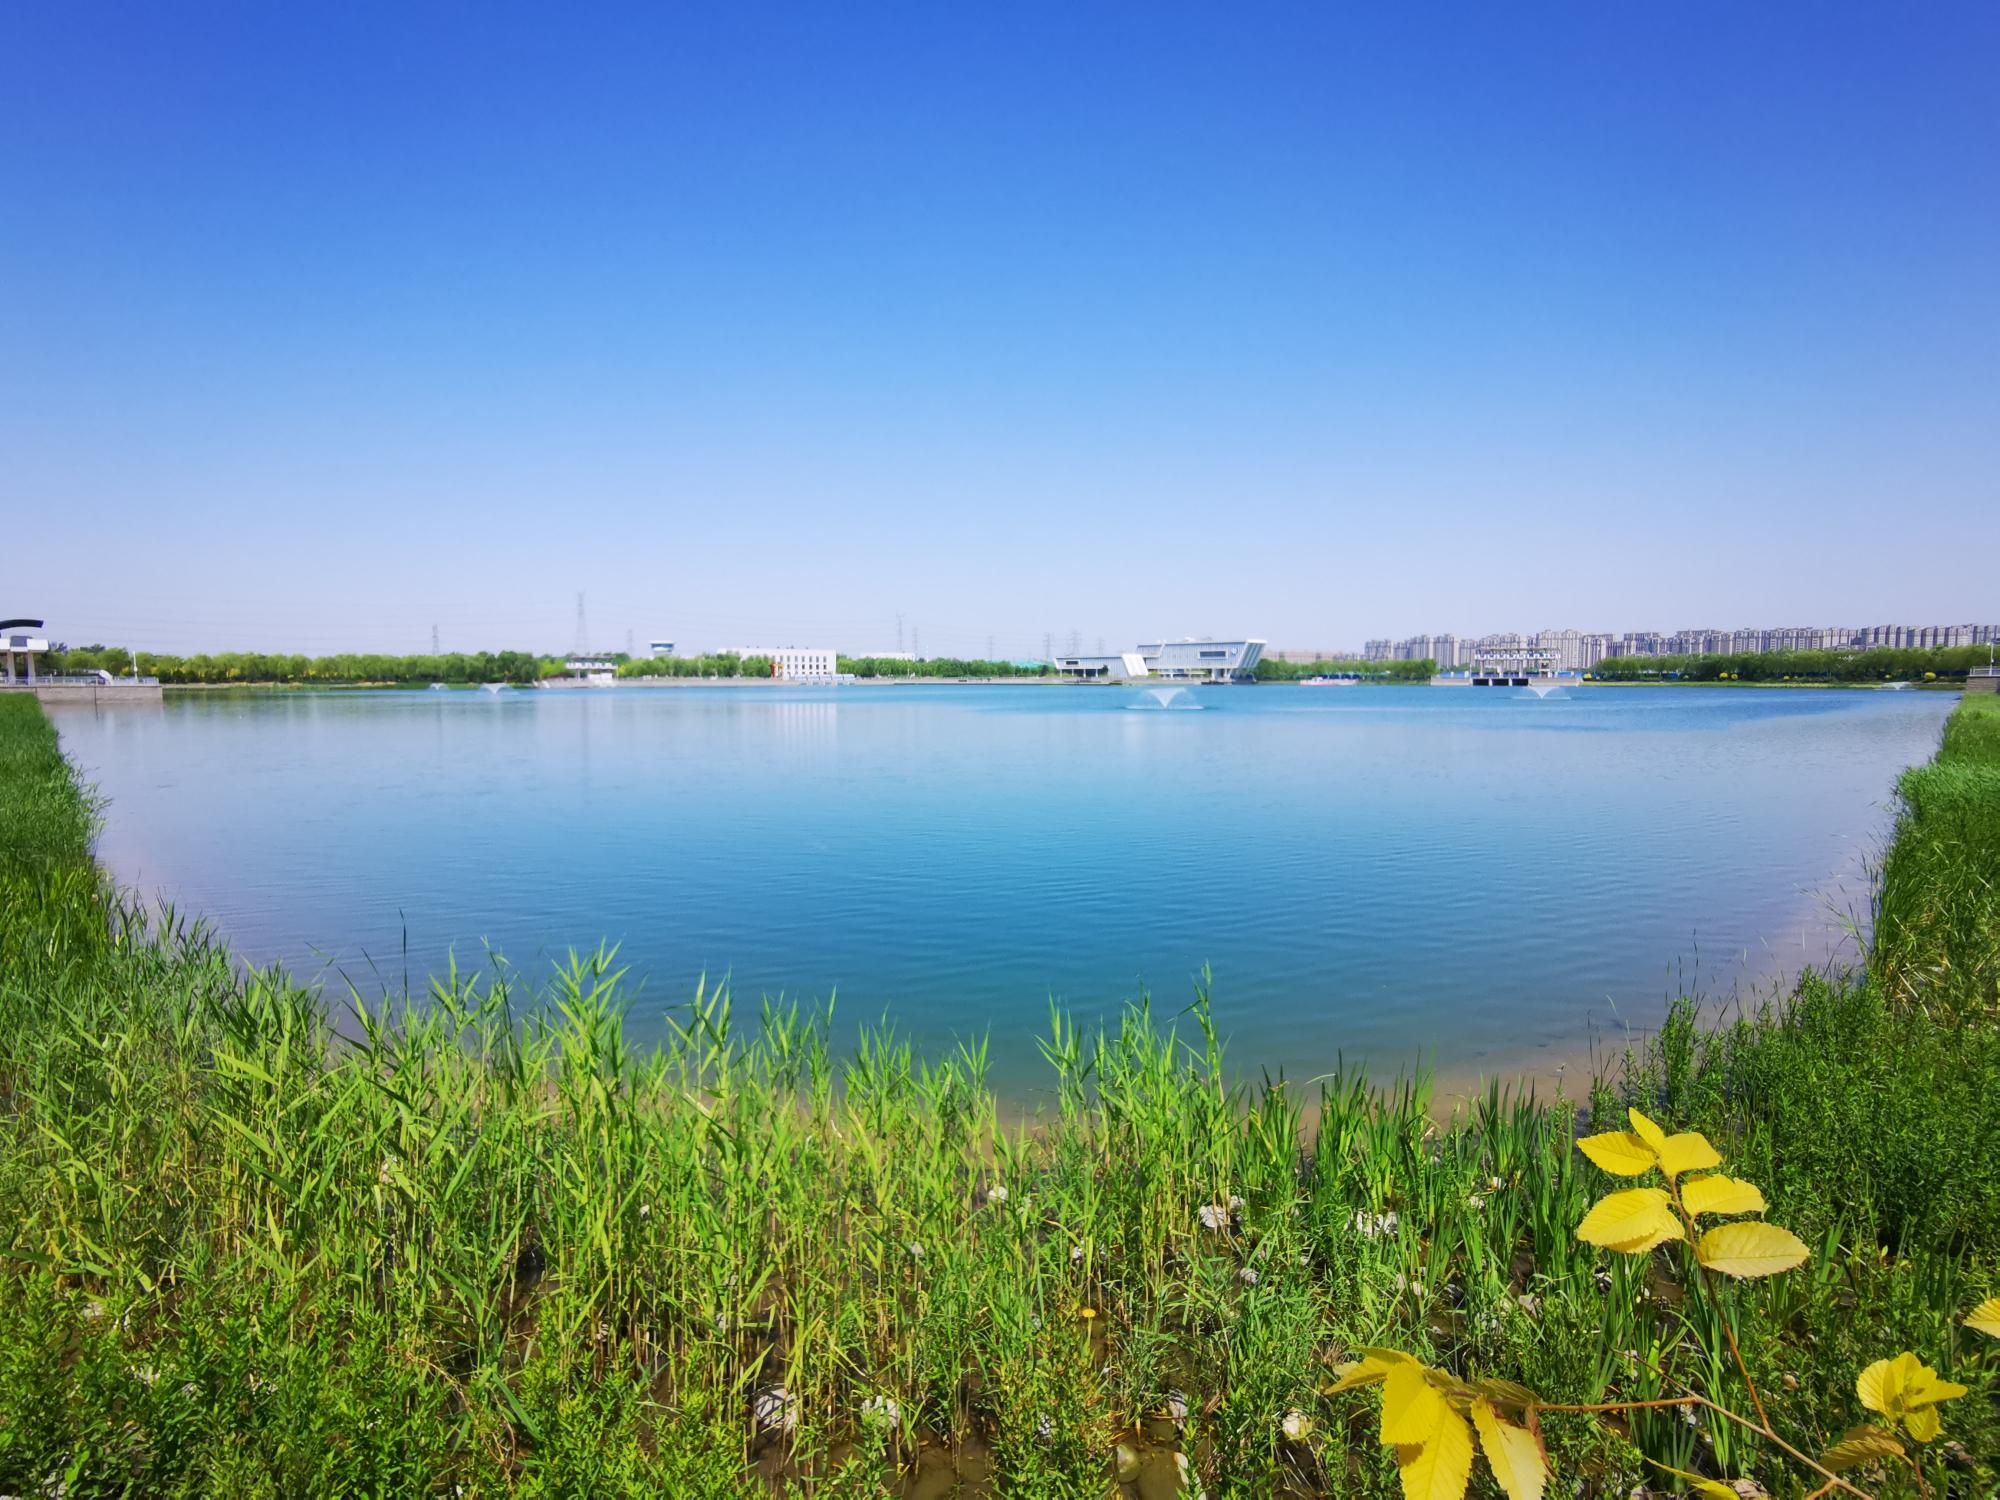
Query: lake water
x,y
1470,876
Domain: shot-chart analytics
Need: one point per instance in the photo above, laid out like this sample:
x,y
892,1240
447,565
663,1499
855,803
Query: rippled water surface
x,y
1465,875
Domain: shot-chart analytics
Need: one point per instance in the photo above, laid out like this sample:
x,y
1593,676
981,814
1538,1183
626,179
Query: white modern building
x,y
22,639
797,664
1186,660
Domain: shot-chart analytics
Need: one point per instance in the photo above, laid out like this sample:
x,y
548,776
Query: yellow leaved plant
x,y
1907,1391
1634,1221
1431,1416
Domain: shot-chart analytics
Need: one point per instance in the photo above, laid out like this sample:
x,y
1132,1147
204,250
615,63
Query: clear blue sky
x,y
323,324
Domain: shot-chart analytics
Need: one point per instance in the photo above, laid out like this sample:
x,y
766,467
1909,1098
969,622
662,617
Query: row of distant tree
x,y
715,664
346,666
939,666
1383,671
1878,664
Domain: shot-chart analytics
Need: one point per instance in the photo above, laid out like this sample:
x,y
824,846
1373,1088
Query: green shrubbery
x,y
1876,664
256,1243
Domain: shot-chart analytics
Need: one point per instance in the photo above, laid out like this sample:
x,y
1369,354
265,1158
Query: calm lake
x,y
1477,878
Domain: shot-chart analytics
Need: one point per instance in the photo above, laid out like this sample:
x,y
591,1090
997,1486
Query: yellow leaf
x,y
1441,1468
1619,1152
1922,1423
1647,1131
1860,1445
1721,1195
1363,1372
1645,1243
1512,1453
1880,1386
1751,1249
1925,1389
1412,1409
1986,1318
1635,1214
1688,1153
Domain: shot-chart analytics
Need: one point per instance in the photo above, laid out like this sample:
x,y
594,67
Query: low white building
x,y
1185,660
797,663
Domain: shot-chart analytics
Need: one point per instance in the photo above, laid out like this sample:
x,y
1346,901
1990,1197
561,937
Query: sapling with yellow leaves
x,y
1635,1221
1430,1416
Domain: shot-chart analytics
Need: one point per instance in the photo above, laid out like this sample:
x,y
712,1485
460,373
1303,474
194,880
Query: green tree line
x,y
714,664
342,667
938,666
1878,664
1384,671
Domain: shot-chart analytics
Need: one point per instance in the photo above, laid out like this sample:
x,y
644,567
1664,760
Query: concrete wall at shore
x,y
82,695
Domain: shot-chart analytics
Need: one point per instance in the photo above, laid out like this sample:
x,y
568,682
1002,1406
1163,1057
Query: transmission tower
x,y
899,635
1100,645
990,656
582,628
434,640
1075,642
1048,646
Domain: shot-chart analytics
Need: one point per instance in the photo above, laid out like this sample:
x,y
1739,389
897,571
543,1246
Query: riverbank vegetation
x,y
260,1241
1880,664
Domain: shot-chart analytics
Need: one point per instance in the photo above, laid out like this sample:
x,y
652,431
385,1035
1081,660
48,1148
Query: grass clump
x,y
478,1242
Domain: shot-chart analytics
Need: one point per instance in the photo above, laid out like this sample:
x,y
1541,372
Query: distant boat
x,y
1331,682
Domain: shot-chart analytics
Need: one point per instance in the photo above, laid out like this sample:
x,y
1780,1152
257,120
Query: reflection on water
x,y
1378,873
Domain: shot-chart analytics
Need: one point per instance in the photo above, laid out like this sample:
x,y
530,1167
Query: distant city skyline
x,y
1580,649
1322,323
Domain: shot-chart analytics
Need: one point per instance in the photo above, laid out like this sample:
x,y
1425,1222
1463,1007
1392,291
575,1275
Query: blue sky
x,y
323,325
